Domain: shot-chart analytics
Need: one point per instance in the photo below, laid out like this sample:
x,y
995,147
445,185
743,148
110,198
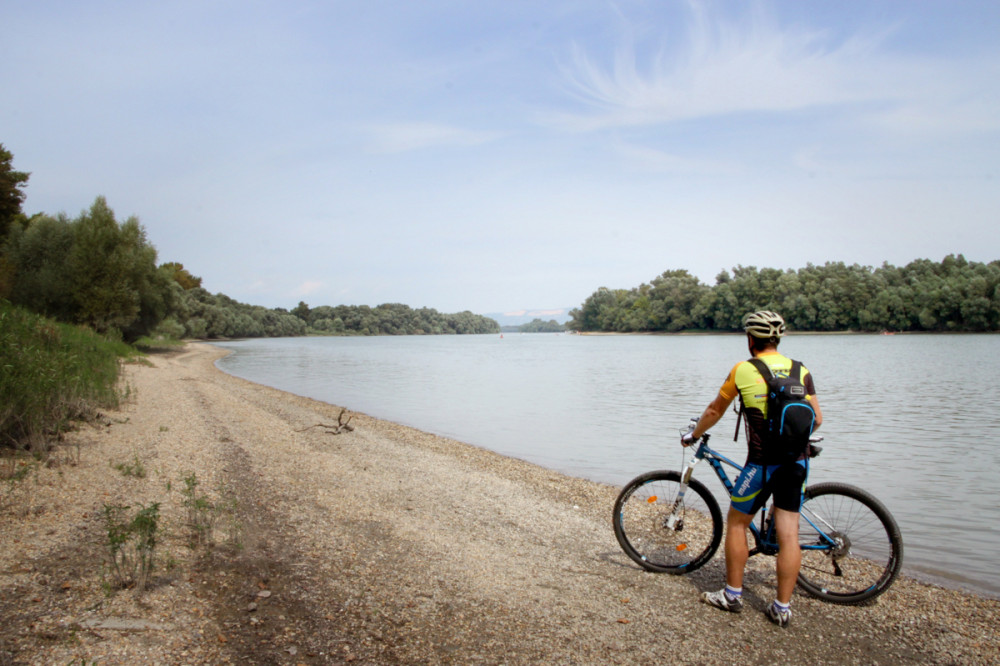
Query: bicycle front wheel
x,y
852,549
660,536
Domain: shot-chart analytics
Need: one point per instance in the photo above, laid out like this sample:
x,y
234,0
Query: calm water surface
x,y
905,415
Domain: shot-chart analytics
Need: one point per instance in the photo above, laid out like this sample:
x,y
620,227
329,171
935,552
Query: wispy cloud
x,y
725,65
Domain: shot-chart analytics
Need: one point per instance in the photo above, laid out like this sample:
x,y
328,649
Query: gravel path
x,y
383,545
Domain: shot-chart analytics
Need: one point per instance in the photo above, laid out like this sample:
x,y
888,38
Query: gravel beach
x,y
382,545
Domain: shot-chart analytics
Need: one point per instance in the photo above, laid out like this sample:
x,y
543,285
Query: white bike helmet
x,y
764,324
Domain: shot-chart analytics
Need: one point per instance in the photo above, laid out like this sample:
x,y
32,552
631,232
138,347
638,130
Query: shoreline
x,y
388,544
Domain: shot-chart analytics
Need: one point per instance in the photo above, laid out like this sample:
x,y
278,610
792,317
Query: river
x,y
902,413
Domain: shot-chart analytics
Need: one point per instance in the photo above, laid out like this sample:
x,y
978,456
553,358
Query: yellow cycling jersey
x,y
744,381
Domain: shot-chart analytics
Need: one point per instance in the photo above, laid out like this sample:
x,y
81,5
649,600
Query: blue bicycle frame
x,y
764,538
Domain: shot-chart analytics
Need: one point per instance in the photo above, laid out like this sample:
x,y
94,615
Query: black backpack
x,y
790,417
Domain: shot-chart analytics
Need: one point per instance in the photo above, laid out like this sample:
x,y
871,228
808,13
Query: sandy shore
x,y
383,545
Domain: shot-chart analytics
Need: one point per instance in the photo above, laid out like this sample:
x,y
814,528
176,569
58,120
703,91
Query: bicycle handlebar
x,y
813,439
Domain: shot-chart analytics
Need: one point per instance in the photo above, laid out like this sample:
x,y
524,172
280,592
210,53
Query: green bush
x,y
50,374
131,543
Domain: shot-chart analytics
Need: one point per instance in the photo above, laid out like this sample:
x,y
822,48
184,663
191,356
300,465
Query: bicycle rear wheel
x,y
640,521
866,552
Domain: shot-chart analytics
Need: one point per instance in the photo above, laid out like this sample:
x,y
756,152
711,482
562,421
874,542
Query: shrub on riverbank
x,y
50,374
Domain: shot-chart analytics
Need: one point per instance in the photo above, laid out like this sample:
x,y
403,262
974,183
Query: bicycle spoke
x,y
662,535
851,548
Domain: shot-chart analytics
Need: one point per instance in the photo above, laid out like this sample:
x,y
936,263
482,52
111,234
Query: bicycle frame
x,y
765,541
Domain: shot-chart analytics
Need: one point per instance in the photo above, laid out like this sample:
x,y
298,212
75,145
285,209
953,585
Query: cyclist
x,y
761,477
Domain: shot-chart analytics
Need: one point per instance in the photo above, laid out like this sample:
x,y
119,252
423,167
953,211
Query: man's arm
x,y
715,411
819,414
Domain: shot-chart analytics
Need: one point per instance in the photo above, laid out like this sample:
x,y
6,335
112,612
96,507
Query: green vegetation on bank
x,y
953,295
536,326
390,319
50,374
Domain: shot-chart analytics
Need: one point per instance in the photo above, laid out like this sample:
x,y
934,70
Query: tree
x,y
301,311
538,326
677,293
11,196
39,256
116,284
100,270
181,276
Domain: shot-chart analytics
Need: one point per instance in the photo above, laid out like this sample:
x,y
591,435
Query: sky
x,y
497,155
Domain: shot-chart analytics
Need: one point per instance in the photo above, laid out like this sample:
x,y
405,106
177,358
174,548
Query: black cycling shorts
x,y
756,483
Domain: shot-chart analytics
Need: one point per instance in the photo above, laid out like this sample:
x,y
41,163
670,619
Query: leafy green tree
x,y
204,315
301,311
723,311
12,184
181,276
538,326
591,316
676,294
156,298
39,256
110,265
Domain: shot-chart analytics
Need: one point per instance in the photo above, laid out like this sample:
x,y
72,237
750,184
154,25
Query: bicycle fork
x,y
675,519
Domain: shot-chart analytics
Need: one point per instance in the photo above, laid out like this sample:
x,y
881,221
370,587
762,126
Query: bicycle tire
x,y
639,514
870,551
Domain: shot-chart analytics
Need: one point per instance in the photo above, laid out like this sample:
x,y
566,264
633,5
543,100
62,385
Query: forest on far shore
x,y
951,295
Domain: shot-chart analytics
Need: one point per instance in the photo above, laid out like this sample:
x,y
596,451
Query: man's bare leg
x,y
737,551
786,524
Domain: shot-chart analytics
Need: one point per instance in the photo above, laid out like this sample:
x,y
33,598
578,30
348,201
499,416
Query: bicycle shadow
x,y
707,578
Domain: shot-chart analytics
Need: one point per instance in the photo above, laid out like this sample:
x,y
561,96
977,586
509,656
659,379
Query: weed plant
x,y
51,374
204,515
131,544
201,512
134,468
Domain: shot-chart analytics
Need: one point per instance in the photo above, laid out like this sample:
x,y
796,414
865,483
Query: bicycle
x,y
852,548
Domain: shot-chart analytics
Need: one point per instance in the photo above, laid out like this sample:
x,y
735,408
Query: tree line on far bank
x,y
951,295
390,319
536,325
102,273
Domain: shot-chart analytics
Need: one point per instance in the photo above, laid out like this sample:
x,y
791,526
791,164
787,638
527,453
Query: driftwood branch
x,y
341,425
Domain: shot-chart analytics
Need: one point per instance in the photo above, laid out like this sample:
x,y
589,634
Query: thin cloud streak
x,y
739,65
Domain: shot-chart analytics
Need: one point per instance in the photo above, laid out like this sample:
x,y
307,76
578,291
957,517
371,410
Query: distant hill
x,y
519,317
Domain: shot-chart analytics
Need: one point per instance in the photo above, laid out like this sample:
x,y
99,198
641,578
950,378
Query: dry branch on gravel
x,y
341,426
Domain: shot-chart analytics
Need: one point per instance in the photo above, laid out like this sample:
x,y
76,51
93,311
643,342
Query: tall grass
x,y
51,374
